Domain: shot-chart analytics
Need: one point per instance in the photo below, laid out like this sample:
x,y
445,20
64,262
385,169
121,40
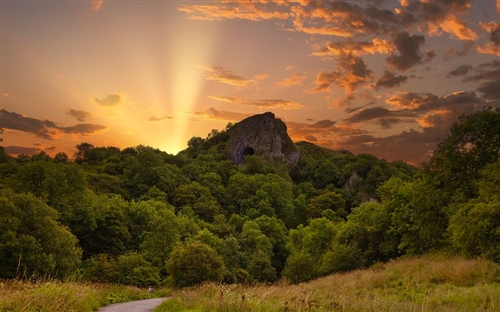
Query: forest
x,y
139,216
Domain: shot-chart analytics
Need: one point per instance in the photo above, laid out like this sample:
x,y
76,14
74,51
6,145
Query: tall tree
x,y
473,142
32,241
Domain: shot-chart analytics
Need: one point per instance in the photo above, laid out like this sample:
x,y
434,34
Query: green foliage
x,y
32,241
101,225
193,264
299,267
62,186
417,214
134,269
369,228
473,142
475,227
161,232
329,200
142,216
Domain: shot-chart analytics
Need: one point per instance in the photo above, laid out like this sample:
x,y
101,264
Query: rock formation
x,y
261,135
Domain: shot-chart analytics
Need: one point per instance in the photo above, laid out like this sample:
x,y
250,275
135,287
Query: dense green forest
x,y
141,216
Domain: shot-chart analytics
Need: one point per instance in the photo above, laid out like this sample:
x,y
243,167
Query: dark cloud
x,y
412,145
390,80
462,51
350,73
491,90
408,47
19,150
327,123
372,113
15,121
495,36
83,129
110,100
311,138
80,115
486,71
387,123
154,118
44,129
460,71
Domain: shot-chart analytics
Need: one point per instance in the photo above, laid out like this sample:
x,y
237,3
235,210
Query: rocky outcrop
x,y
262,134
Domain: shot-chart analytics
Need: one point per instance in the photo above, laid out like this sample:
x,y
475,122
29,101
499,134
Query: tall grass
x,y
48,295
429,283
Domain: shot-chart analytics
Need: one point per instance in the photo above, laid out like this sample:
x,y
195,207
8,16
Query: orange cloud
x,y
489,26
453,25
231,10
96,4
267,103
498,6
377,45
489,48
220,74
350,73
432,119
408,99
294,80
213,113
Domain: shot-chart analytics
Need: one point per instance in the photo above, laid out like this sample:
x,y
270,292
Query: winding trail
x,y
134,306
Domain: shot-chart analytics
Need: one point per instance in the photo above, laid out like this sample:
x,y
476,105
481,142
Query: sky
x,y
382,77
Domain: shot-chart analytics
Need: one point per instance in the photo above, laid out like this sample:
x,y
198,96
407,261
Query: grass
x,y
52,295
439,282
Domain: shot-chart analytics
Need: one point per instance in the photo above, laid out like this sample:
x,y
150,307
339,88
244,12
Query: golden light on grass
x,y
439,282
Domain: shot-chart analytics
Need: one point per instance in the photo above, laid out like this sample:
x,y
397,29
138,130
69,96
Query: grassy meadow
x,y
439,282
48,295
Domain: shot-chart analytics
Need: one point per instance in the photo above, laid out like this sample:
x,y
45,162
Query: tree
x,y
101,225
417,213
257,252
83,152
299,267
475,228
32,241
193,264
61,185
162,233
473,142
368,228
329,200
133,269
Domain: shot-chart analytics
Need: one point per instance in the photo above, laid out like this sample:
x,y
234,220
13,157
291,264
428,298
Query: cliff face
x,y
261,135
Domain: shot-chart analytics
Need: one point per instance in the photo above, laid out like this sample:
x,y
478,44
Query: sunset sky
x,y
381,77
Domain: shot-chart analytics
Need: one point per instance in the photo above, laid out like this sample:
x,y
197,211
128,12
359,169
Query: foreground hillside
x,y
438,282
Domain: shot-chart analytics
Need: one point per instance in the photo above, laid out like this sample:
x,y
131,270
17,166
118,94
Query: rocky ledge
x,y
262,134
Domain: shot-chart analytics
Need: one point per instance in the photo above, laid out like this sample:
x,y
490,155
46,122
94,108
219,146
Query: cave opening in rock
x,y
248,151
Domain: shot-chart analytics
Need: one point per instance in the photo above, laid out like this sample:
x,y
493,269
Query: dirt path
x,y
133,306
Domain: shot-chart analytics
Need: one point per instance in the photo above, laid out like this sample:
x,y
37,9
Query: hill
x,y
436,282
141,217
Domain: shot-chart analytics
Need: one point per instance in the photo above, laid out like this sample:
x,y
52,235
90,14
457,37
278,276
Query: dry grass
x,y
430,283
52,295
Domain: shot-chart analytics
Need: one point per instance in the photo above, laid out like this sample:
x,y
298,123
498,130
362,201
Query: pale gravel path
x,y
134,306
